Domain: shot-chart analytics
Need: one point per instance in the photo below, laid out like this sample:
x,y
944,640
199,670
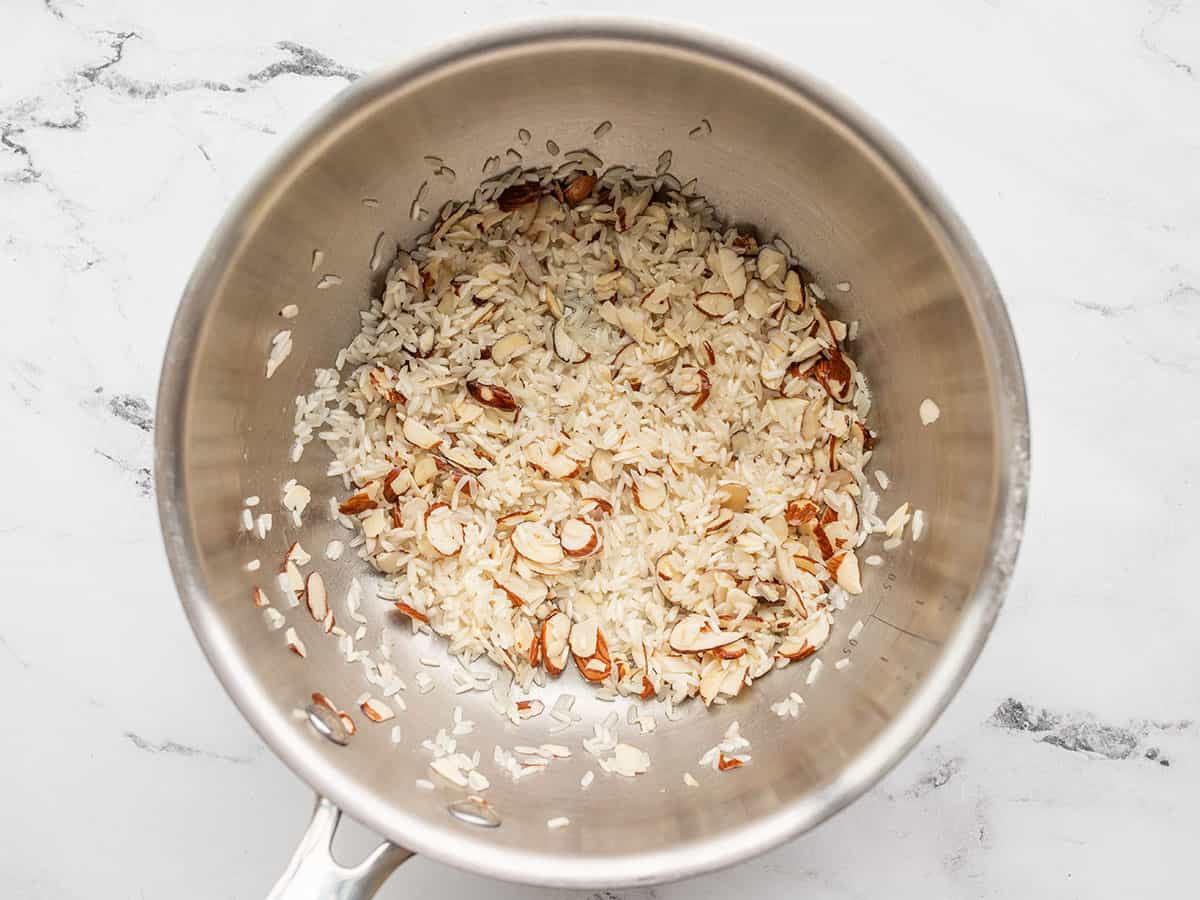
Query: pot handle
x,y
313,873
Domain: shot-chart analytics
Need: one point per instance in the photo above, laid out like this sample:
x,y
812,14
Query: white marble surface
x,y
1066,134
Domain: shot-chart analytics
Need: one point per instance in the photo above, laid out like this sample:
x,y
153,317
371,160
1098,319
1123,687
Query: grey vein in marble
x,y
176,749
1081,732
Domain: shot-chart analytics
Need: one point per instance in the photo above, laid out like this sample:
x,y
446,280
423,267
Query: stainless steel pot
x,y
783,153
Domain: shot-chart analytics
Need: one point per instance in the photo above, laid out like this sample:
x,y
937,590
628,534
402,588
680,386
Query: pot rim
x,y
461,847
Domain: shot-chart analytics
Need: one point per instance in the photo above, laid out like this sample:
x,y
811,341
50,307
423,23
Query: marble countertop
x,y
1066,135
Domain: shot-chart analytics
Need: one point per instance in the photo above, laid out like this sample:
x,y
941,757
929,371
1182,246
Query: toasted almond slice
x,y
420,435
292,576
658,300
315,596
668,572
649,491
822,327
260,599
565,346
794,292
583,637
537,543
648,691
725,763
321,700
771,265
444,532
810,423
720,519
528,709
513,519
509,348
376,710
758,301
595,508
715,304
705,389
579,189
710,682
635,322
733,495
556,465
603,466
294,643
490,395
517,195
467,458
824,544
556,630
694,634
806,564
844,568
358,503
579,538
424,471
520,591
597,665
801,511
412,613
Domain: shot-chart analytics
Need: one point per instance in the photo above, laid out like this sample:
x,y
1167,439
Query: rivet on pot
x,y
474,811
327,724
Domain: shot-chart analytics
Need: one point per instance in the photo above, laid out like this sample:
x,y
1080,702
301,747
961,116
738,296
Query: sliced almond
x,y
294,643
595,508
794,293
836,375
509,348
513,519
518,195
467,458
579,538
376,710
347,723
442,530
801,512
635,322
358,503
721,519
490,395
844,568
705,389
648,691
579,189
725,763
714,304
537,543
424,471
528,709
603,466
260,598
649,491
412,613
596,665
565,346
315,596
420,435
810,423
658,300
694,634
758,301
771,265
556,630
733,495
520,591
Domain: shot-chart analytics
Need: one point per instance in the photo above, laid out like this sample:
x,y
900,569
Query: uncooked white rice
x,y
588,421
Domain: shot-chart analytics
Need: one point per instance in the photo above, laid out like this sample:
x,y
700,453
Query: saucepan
x,y
769,146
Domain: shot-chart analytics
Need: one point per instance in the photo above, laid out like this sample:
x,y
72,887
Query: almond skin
x,y
518,195
360,502
492,395
579,189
